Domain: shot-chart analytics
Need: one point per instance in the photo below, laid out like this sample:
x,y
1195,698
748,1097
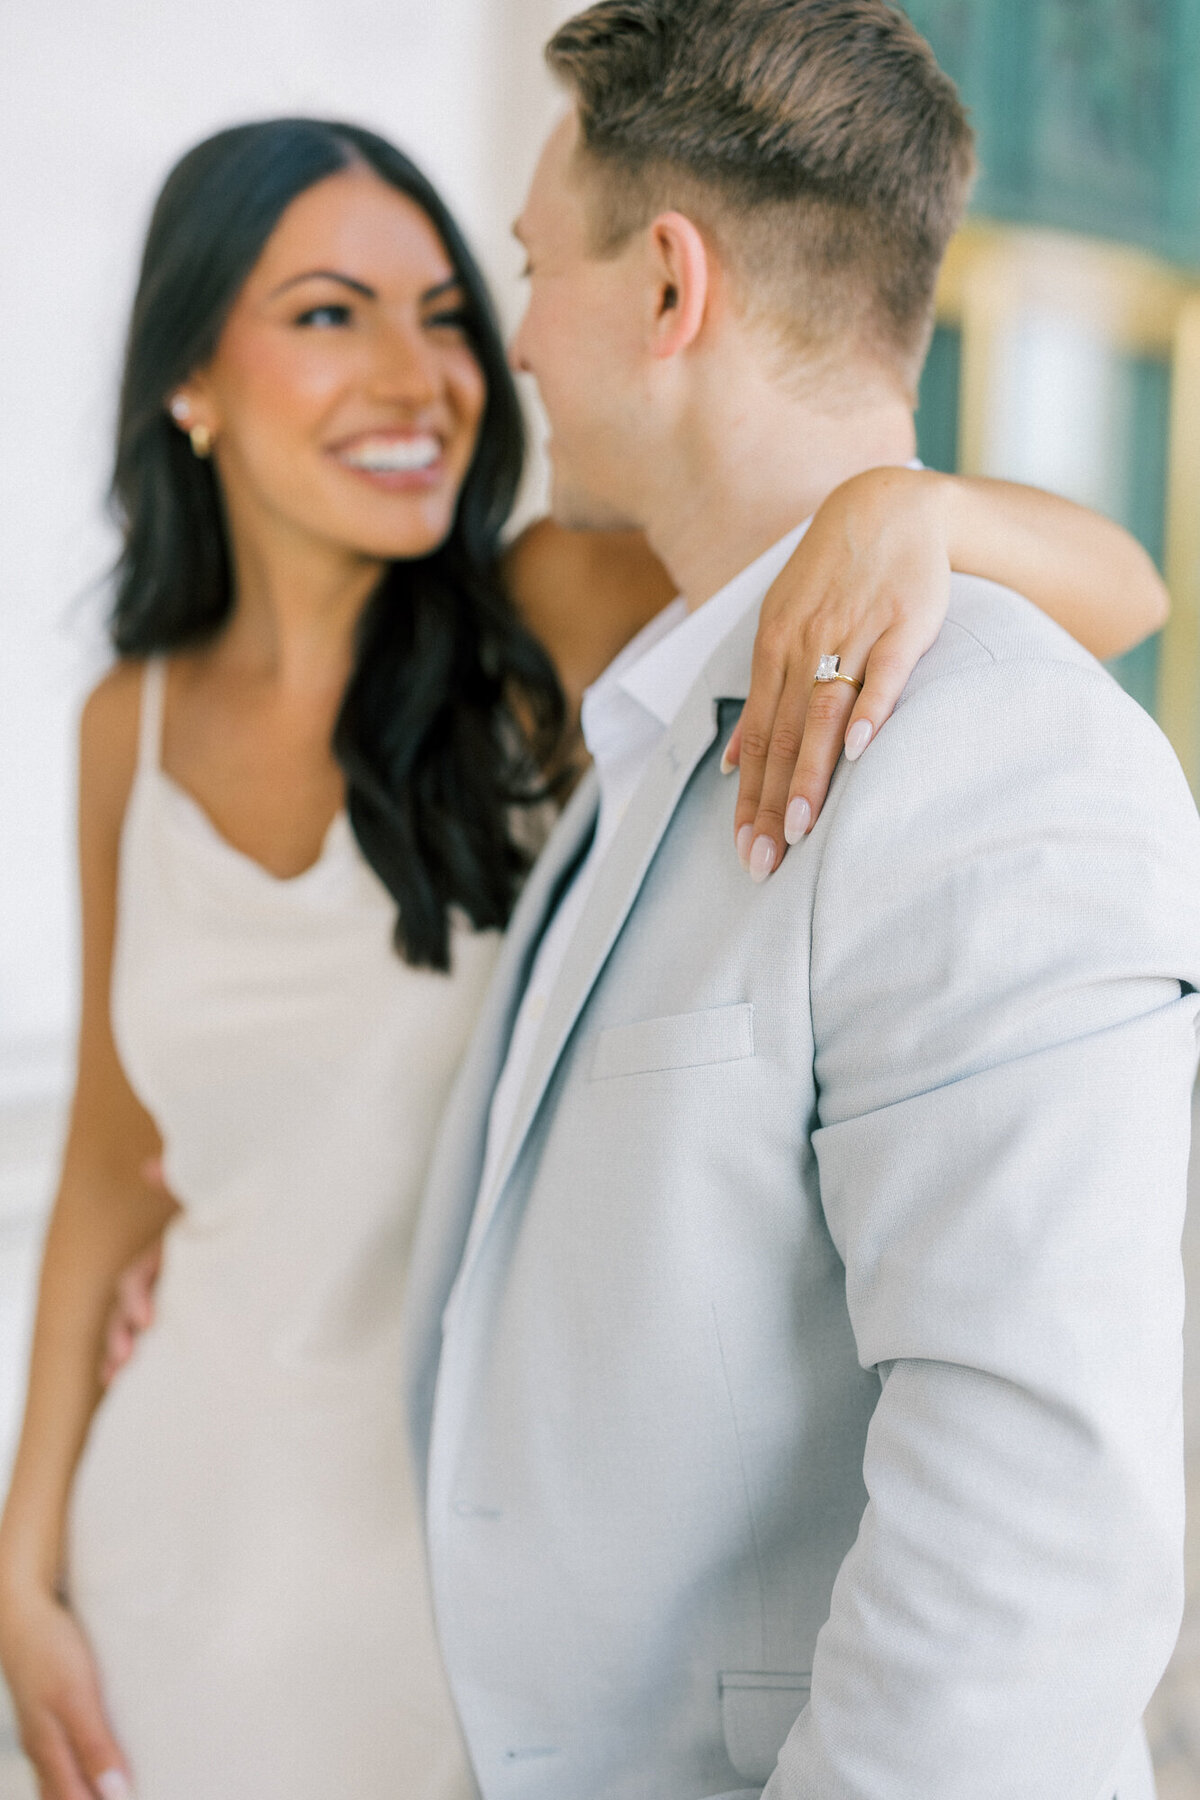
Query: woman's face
x,y
344,397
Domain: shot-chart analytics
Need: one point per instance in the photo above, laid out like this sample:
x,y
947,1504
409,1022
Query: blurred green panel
x,y
1144,510
1088,112
1088,119
937,412
1137,672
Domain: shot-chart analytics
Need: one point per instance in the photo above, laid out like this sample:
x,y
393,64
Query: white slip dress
x,y
244,1546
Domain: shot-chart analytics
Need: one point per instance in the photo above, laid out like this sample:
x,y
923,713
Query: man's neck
x,y
748,486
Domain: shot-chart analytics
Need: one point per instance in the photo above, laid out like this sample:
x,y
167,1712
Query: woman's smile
x,y
394,460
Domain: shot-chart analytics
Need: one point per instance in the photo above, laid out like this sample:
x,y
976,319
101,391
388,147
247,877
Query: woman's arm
x,y
876,564
103,1215
1088,574
870,582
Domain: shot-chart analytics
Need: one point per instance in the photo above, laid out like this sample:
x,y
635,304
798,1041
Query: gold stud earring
x,y
202,440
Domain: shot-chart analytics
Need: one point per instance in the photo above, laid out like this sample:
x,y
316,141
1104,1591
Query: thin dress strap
x,y
150,727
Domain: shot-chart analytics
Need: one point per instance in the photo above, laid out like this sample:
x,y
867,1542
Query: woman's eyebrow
x,y
452,284
449,286
360,287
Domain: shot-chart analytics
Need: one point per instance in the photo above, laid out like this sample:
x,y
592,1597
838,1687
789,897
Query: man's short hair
x,y
817,141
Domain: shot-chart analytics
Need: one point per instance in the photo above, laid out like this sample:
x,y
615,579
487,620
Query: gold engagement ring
x,y
830,669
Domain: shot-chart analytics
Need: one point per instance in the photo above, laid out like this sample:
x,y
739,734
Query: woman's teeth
x,y
394,456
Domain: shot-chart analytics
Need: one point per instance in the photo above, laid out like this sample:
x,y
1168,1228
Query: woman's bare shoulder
x,y
546,556
108,739
584,594
538,561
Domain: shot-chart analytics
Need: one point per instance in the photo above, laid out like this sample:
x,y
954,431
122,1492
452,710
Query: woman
x,y
300,833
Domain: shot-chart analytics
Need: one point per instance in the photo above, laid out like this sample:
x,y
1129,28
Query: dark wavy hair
x,y
426,736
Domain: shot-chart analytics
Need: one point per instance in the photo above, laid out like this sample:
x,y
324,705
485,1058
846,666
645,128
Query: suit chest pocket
x,y
681,1041
758,1709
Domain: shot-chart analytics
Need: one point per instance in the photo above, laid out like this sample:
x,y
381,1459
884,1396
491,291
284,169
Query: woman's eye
x,y
458,320
325,317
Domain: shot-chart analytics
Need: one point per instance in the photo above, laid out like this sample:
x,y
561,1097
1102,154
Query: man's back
x,y
844,1237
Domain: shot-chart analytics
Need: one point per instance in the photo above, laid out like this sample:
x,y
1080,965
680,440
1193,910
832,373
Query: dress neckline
x,y
337,836
336,843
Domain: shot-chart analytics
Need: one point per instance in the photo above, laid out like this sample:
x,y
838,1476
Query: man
x,y
796,1318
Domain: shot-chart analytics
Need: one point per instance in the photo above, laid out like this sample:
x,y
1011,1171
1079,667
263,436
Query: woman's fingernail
x,y
796,819
745,838
762,859
112,1785
727,767
857,738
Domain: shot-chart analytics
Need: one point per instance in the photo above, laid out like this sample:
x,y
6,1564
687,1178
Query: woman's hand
x,y
869,582
56,1693
131,1313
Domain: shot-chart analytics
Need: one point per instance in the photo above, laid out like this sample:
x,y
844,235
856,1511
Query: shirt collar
x,y
668,664
604,712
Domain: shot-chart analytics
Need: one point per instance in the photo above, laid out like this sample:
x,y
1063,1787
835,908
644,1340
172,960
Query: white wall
x,y
97,98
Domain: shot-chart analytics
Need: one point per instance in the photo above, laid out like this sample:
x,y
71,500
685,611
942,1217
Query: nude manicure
x,y
857,738
762,859
727,767
797,819
745,838
112,1785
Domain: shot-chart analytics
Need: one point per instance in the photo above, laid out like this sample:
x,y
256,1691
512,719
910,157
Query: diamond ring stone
x,y
830,669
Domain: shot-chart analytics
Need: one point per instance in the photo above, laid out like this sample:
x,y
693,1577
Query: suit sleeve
x,y
1005,934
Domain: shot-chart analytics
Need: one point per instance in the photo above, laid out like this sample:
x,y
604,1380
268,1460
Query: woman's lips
x,y
394,460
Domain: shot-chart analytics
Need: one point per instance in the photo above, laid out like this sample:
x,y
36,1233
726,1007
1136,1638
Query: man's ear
x,y
682,275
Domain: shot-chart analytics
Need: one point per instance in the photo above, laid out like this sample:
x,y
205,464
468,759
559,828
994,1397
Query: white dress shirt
x,y
625,715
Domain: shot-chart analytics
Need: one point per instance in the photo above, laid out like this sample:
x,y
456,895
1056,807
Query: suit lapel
x,y
613,893
620,876
562,852
452,1224
457,1166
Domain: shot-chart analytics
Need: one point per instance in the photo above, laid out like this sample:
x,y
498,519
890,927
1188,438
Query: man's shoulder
x,y
1006,701
989,626
996,648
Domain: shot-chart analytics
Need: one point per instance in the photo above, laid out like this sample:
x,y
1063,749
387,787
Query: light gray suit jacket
x,y
806,1410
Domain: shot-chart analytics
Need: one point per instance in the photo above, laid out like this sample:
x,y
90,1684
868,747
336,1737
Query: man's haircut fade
x,y
818,141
